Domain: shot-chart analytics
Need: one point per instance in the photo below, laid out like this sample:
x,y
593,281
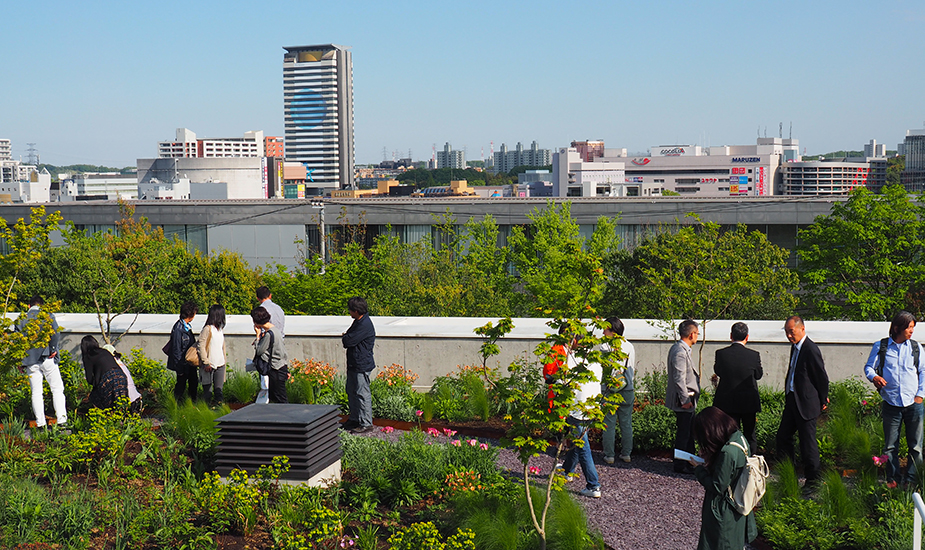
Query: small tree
x,y
122,272
702,272
26,243
539,426
863,260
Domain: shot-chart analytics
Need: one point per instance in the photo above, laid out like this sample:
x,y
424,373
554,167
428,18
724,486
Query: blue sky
x,y
102,82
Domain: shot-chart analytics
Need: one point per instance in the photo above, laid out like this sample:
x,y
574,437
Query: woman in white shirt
x,y
212,355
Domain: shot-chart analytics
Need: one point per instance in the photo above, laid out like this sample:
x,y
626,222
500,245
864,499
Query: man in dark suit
x,y
807,395
738,369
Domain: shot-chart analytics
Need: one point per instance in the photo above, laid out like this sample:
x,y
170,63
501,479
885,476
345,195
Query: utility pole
x,y
319,204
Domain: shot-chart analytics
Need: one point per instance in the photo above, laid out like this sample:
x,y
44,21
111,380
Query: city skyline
x,y
104,82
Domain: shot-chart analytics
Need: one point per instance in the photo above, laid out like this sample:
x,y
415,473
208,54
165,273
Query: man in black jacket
x,y
359,341
807,395
738,369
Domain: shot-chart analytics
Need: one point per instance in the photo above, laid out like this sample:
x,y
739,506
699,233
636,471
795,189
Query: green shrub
x,y
799,524
194,423
24,504
768,419
426,535
653,385
240,387
148,374
653,428
395,401
500,519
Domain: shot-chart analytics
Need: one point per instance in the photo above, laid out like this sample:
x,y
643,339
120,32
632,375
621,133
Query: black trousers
x,y
187,376
792,423
277,390
746,423
684,437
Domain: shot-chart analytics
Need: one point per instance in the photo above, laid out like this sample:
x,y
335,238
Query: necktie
x,y
794,354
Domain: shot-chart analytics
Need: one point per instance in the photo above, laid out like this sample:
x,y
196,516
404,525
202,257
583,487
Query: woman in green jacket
x,y
721,526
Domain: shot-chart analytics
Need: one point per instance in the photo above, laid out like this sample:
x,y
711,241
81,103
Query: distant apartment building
x,y
834,176
874,149
273,147
506,160
448,158
318,113
21,182
913,177
187,145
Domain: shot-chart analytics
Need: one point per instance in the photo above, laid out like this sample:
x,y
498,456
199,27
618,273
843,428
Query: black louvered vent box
x,y
250,437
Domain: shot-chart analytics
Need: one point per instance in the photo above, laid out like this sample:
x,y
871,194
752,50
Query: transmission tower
x,y
33,157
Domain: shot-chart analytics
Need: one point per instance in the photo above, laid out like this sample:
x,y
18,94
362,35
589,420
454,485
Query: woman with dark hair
x,y
721,526
181,339
103,374
269,349
212,354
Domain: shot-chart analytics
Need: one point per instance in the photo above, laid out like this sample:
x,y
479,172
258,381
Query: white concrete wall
x,y
433,347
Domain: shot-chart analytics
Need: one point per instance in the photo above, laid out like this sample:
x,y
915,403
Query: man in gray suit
x,y
683,390
41,362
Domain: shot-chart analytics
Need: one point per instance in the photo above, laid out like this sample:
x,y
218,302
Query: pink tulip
x,y
419,413
456,443
449,432
388,429
473,442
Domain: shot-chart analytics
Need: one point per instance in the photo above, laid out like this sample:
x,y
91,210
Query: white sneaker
x,y
591,493
609,459
625,458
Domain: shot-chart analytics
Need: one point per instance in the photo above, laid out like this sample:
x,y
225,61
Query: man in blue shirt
x,y
893,367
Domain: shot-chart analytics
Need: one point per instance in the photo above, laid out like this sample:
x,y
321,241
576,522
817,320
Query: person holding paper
x,y
683,390
721,526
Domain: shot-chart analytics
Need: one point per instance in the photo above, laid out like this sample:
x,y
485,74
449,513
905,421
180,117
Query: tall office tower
x,y
318,113
913,177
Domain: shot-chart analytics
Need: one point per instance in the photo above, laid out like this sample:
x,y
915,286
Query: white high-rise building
x,y
874,149
318,112
5,150
448,158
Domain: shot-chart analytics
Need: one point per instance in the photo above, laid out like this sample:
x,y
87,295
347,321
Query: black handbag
x,y
263,367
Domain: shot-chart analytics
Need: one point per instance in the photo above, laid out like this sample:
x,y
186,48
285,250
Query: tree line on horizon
x,y
862,262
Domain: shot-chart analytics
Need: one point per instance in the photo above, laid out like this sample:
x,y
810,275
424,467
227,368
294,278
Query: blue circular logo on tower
x,y
308,108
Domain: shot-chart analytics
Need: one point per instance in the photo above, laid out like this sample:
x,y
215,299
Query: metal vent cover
x,y
307,434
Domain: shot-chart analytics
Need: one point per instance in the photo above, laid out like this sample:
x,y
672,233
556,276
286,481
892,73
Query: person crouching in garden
x,y
721,526
212,355
269,348
106,379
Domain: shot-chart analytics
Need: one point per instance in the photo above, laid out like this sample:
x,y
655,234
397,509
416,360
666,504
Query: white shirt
x,y
216,346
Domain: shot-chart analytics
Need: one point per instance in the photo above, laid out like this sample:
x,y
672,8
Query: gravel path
x,y
644,504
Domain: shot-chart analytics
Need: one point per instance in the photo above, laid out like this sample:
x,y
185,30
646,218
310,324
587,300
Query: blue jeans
x,y
581,455
911,416
624,415
359,398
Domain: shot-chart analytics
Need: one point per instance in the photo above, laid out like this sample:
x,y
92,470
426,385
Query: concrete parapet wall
x,y
434,346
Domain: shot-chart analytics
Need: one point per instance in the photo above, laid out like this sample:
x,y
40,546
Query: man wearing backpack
x,y
894,368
